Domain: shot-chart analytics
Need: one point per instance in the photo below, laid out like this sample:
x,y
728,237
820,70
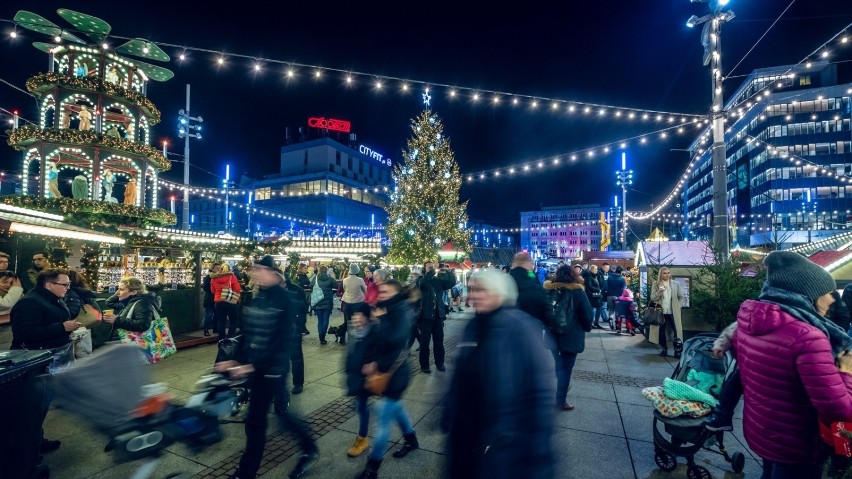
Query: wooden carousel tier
x,y
92,211
44,83
27,136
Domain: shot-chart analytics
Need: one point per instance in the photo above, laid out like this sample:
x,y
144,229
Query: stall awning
x,y
23,220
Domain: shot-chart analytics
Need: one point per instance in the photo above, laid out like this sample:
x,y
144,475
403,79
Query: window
x,y
805,80
350,162
360,167
262,194
336,159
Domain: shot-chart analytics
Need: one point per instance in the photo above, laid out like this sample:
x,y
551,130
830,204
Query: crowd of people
x,y
514,363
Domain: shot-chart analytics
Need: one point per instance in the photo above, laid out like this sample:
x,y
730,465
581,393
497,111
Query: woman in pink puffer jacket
x,y
788,369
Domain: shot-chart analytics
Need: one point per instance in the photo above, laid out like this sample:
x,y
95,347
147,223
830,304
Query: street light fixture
x,y
625,178
711,41
185,131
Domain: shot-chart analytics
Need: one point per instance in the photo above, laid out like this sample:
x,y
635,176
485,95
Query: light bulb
x,y
13,34
220,60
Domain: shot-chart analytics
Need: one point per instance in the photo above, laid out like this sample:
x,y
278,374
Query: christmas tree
x,y
425,213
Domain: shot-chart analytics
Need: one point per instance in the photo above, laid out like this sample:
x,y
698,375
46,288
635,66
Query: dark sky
x,y
623,53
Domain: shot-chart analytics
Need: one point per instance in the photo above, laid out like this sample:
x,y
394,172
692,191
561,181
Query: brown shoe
x,y
359,447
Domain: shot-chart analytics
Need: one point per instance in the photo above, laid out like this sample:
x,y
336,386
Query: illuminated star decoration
x,y
427,99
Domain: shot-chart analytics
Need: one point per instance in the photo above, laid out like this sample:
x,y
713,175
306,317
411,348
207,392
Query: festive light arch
x,y
72,99
47,103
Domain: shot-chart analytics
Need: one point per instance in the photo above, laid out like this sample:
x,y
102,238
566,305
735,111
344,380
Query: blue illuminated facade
x,y
787,151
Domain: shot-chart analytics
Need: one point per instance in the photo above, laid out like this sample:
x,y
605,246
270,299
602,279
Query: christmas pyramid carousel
x,y
91,152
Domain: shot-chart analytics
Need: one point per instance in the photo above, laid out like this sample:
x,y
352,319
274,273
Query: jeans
x,y
596,314
386,411
263,390
778,470
729,396
431,329
363,414
610,305
323,316
226,312
603,311
667,330
564,366
209,316
297,360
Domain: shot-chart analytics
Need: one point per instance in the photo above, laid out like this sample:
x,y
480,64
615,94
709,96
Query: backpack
x,y
562,311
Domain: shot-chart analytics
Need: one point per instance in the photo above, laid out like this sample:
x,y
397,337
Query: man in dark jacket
x,y
209,304
299,312
603,277
432,314
40,320
615,285
265,352
532,299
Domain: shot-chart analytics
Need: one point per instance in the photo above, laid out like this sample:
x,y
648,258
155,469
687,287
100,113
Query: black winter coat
x,y
432,286
328,285
593,289
208,293
387,340
532,298
37,321
144,305
499,413
268,332
615,284
572,308
76,297
299,304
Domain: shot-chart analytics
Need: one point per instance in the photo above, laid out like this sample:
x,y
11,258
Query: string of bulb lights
x,y
590,152
821,51
377,81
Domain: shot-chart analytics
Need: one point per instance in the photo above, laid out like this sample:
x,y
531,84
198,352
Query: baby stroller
x,y
140,425
684,436
227,351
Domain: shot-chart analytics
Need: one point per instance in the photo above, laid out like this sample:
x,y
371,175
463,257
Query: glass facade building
x,y
789,149
562,231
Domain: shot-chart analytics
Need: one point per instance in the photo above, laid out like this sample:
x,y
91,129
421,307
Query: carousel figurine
x,y
80,187
113,132
108,182
82,70
85,119
52,181
130,192
112,76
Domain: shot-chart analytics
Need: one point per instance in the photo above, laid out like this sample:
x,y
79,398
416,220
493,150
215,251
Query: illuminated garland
x,y
94,211
90,262
233,248
44,81
26,135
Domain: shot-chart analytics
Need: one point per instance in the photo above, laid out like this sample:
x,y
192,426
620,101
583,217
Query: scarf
x,y
798,306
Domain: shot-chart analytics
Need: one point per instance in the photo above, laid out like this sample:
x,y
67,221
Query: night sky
x,y
623,53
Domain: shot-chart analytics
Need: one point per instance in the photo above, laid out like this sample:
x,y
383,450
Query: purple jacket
x,y
790,380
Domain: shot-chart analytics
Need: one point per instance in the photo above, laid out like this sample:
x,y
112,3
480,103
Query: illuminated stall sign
x,y
330,124
365,150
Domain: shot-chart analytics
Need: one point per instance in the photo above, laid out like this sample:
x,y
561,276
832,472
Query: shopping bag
x,y
82,339
63,357
316,294
89,316
229,295
156,343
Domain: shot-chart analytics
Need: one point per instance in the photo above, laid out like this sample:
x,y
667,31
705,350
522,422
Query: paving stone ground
x,y
608,435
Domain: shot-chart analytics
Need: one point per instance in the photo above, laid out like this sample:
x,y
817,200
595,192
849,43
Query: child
x,y
625,310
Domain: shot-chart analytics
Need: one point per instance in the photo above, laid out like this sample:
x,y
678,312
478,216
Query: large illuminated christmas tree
x,y
425,212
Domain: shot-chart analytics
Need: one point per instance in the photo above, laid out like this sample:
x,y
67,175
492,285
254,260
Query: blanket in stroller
x,y
670,407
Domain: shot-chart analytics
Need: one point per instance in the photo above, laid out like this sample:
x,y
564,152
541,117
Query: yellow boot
x,y
359,447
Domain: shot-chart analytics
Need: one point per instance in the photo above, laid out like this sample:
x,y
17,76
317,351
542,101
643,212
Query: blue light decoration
x,y
427,99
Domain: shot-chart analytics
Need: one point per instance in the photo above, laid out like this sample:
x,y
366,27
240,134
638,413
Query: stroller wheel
x,y
738,462
698,472
664,460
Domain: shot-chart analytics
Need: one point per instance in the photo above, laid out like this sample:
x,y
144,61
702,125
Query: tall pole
x,y
721,239
615,218
227,197
625,177
185,212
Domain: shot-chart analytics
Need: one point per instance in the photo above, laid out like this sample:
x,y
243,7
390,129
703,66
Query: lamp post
x,y
625,178
185,132
711,40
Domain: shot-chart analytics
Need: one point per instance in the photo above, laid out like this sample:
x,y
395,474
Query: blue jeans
x,y
564,366
323,316
209,314
603,312
777,470
387,410
363,414
596,314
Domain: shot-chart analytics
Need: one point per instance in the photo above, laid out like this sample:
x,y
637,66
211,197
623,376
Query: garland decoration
x,y
49,80
95,212
23,137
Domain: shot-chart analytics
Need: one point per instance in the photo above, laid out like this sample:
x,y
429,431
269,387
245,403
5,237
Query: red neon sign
x,y
330,124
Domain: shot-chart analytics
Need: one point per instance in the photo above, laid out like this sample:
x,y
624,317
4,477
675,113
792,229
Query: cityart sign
x,y
330,124
365,150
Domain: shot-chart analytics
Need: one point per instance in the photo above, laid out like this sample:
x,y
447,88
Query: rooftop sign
x,y
330,124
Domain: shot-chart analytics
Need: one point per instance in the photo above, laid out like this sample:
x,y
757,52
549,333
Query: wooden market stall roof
x,y
15,219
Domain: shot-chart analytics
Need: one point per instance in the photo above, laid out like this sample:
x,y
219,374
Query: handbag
x,y
88,316
228,295
156,343
316,293
82,339
653,316
377,382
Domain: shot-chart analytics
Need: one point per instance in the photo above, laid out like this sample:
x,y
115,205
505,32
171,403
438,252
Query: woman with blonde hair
x,y
137,307
667,294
